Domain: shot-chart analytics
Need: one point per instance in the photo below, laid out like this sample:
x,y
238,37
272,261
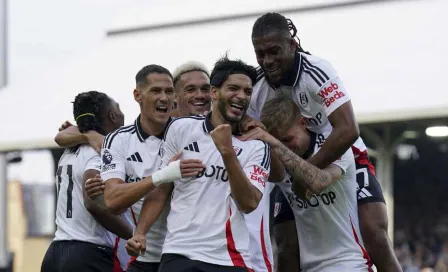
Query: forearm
x,y
306,174
152,207
337,143
118,197
243,192
70,137
277,173
113,223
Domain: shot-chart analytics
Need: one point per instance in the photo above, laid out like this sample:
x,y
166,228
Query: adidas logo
x,y
363,193
136,158
192,147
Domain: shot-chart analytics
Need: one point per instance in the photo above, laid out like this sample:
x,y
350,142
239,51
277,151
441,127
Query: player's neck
x,y
217,119
150,127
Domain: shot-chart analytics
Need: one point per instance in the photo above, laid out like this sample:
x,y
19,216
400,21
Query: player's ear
x,y
137,96
292,45
214,93
112,117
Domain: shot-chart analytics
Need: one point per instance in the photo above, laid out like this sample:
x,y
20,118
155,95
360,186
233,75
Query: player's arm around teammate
x,y
70,136
304,174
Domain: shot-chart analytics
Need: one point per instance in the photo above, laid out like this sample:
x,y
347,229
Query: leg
x,y
49,263
373,221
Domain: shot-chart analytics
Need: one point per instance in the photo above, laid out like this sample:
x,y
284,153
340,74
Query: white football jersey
x,y
73,221
131,155
260,245
327,224
314,86
204,223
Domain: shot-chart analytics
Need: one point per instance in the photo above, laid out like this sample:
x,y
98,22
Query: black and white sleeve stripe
x,y
266,162
110,137
317,74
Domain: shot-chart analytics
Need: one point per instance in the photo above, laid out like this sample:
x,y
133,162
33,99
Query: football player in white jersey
x,y
130,158
326,207
206,226
314,85
82,240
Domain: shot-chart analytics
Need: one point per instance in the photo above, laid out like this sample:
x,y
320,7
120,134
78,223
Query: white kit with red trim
x,y
204,222
328,225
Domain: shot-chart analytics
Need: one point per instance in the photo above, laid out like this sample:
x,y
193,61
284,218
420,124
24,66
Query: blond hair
x,y
189,66
279,114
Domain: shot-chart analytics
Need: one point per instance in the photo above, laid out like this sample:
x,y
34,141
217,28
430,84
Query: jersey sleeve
x,y
329,91
113,157
169,147
345,160
282,210
257,167
93,160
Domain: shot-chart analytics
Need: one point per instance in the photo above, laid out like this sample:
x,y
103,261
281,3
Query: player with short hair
x,y
314,85
82,240
130,158
326,208
206,225
192,85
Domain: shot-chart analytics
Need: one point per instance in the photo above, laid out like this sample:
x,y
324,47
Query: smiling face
x,y
193,93
233,97
156,97
275,54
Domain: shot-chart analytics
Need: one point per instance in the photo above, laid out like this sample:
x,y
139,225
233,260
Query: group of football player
x,y
188,185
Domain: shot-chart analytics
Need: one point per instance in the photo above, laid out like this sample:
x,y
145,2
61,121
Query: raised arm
x,y
246,184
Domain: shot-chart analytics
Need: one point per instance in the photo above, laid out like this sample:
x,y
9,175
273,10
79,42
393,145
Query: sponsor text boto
x,y
330,94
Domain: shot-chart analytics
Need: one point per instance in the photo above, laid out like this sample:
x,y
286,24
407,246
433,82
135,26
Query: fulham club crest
x,y
303,99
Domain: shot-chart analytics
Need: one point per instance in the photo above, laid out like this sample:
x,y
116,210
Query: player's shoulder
x,y
123,134
317,71
86,152
183,123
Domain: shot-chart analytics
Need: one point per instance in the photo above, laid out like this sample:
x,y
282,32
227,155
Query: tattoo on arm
x,y
308,175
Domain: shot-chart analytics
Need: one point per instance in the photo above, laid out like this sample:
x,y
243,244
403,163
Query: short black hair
x,y
140,77
225,67
275,22
89,109
268,23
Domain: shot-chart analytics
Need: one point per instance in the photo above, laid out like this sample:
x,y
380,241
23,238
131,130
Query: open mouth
x,y
271,70
162,109
237,106
199,104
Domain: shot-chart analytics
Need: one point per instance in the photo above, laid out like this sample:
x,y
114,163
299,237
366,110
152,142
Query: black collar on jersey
x,y
208,127
142,135
310,151
292,77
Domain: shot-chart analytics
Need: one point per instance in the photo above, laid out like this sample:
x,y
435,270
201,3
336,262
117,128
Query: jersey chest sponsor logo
x,y
330,94
325,199
316,120
216,172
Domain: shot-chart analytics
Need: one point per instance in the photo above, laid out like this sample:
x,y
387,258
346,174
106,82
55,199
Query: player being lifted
x,y
327,220
82,241
313,84
206,226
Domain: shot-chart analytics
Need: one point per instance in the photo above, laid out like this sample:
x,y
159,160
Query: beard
x,y
222,106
